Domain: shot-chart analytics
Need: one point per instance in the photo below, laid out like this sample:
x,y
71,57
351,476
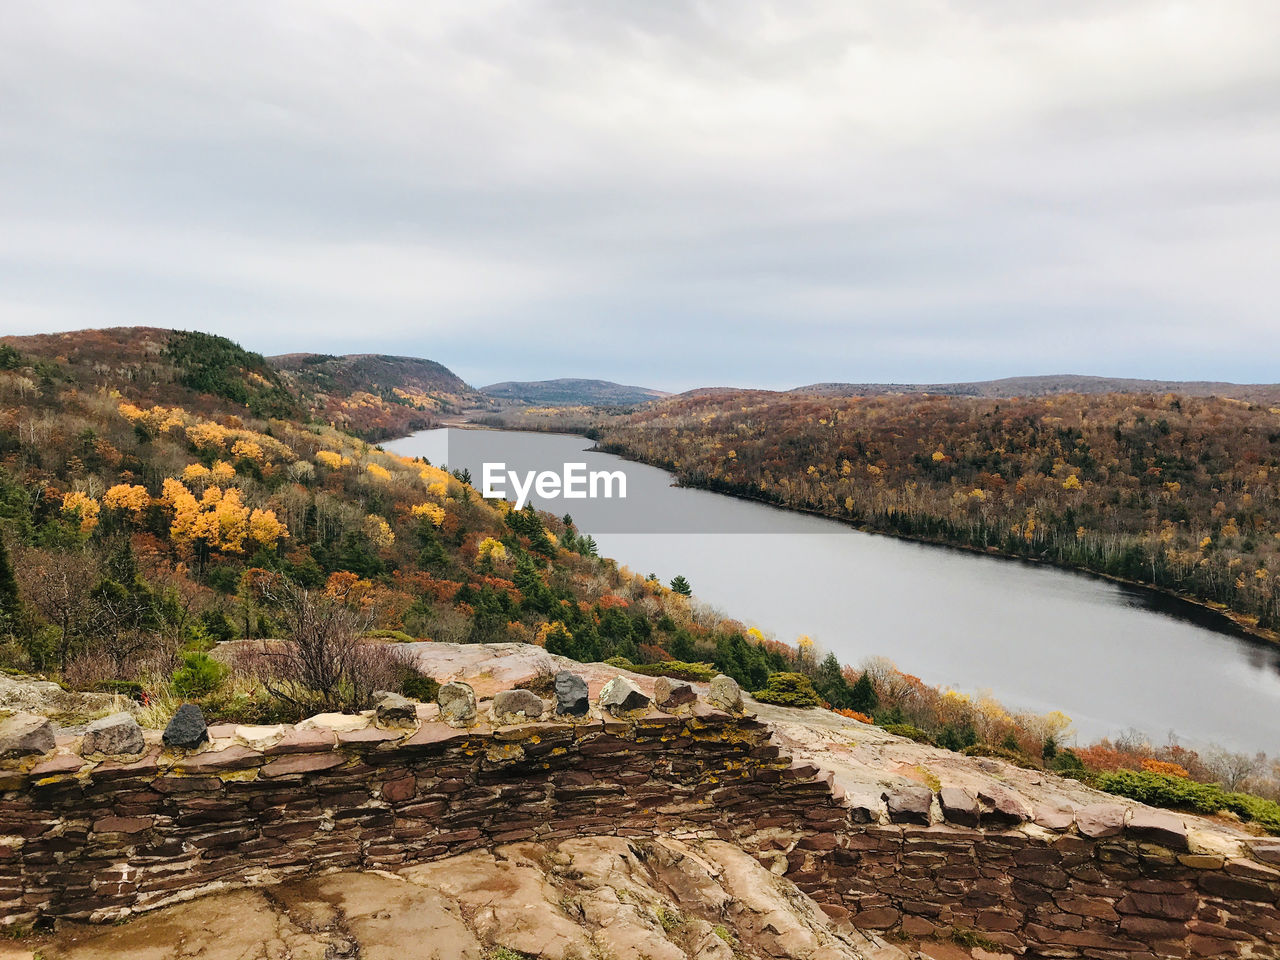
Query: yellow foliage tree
x,y
431,511
379,531
491,549
207,436
133,498
223,472
247,450
327,458
82,508
378,472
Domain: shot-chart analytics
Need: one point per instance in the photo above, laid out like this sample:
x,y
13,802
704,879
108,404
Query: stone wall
x,y
100,838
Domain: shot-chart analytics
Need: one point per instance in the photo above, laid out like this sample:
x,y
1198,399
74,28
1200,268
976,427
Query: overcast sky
x,y
665,193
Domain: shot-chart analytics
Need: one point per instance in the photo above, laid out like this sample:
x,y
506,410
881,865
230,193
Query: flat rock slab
x,y
302,763
303,740
258,736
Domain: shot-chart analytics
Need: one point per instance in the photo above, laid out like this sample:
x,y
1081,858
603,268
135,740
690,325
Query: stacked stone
x,y
130,821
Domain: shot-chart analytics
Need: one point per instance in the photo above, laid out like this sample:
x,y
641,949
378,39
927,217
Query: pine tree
x,y
681,586
10,603
863,697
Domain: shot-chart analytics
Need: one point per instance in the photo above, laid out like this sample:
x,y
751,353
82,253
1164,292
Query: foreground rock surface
x,y
582,898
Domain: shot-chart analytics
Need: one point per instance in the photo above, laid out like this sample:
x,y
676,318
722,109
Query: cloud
x,y
672,194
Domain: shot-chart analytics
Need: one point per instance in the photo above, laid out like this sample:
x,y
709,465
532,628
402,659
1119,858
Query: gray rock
x,y
187,730
393,710
1002,806
114,735
513,704
959,806
726,694
572,696
669,694
1158,826
457,704
24,734
1099,820
909,804
620,695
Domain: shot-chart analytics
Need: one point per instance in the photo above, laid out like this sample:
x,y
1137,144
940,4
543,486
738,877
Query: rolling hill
x,y
571,392
374,395
1044,386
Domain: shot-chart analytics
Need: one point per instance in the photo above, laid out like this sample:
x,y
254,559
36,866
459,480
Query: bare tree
x,y
324,660
60,587
1233,769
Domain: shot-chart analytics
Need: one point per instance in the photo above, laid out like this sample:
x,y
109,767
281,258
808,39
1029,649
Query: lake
x,y
1038,638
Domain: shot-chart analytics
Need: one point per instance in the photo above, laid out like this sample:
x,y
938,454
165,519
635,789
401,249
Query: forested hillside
x,y
161,492
571,392
376,396
1177,492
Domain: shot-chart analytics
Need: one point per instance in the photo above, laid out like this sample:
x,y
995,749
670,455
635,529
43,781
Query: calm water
x,y
1037,638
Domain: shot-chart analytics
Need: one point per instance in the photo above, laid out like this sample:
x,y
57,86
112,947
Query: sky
x,y
672,194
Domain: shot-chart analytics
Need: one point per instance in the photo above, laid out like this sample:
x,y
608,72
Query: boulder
x,y
187,730
1158,826
114,735
25,734
959,806
670,694
572,696
908,804
517,704
1099,820
393,710
726,694
1002,807
620,695
457,704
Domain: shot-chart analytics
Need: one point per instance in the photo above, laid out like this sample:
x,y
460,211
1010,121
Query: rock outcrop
x,y
577,899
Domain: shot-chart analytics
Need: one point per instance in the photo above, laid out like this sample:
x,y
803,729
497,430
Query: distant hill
x,y
207,373
374,395
571,392
1053,384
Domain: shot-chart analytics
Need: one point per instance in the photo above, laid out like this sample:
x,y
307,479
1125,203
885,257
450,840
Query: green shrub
x,y
199,676
123,688
1164,790
788,690
622,663
677,670
399,636
1067,763
1000,753
910,731
418,686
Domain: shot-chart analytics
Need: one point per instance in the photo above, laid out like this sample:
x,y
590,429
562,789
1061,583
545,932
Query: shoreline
x,y
1213,616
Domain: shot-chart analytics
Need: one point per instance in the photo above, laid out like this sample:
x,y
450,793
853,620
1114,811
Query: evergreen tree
x,y
863,696
10,603
681,586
